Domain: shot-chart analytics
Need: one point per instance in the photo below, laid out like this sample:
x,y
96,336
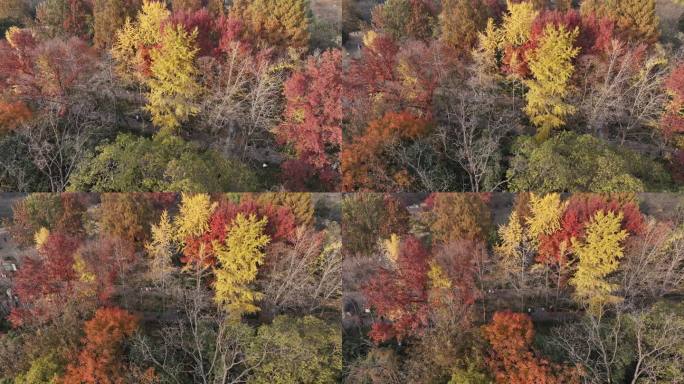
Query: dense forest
x,y
539,95
341,191
133,96
341,95
161,288
513,289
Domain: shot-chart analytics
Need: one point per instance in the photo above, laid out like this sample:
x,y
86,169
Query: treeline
x,y
154,96
487,95
161,288
424,95
495,288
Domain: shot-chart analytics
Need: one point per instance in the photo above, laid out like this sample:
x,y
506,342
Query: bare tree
x,y
653,265
622,93
473,120
597,344
659,349
199,342
56,144
305,276
243,102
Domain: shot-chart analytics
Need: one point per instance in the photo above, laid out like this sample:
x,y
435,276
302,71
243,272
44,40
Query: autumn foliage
x,y
105,337
512,358
366,164
400,296
280,225
313,118
47,281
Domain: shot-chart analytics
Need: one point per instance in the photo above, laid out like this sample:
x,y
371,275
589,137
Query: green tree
x,y
44,370
551,66
569,162
302,350
239,257
164,163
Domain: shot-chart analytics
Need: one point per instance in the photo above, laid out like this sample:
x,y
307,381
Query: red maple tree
x,y
512,360
400,295
100,359
313,118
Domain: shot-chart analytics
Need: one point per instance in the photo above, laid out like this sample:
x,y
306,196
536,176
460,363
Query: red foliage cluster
x,y
100,359
313,119
458,260
581,208
400,296
672,122
512,360
208,33
43,71
107,259
43,284
215,36
363,165
595,36
388,77
281,226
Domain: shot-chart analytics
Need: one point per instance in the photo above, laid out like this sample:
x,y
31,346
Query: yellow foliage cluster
x,y
599,254
392,246
552,67
545,214
239,257
81,269
173,85
135,38
193,218
162,246
511,236
437,277
300,203
517,23
41,236
164,60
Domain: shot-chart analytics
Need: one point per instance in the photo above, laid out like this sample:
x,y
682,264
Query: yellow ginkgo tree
x,y
599,255
551,65
134,40
239,257
173,84
160,55
194,214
